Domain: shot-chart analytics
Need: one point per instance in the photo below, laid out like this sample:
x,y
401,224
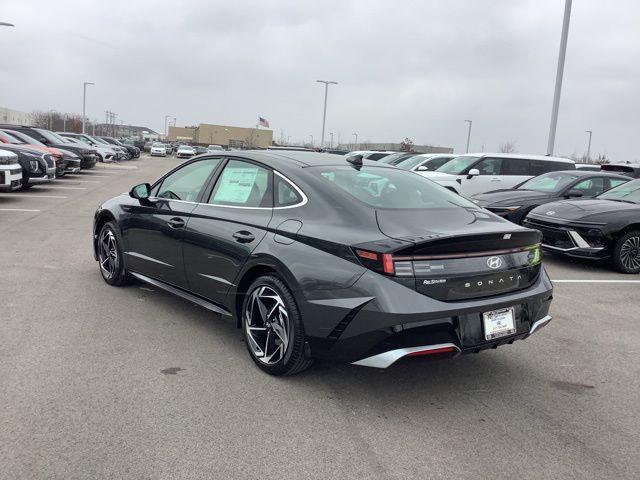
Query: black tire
x,y
100,158
292,358
626,253
112,269
25,184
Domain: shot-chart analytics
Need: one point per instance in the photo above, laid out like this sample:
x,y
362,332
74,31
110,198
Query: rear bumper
x,y
405,322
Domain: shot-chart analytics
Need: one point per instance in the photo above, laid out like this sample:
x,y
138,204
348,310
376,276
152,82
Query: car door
x,y
153,228
490,169
227,226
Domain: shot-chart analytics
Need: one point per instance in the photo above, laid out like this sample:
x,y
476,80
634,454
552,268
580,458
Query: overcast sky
x,y
416,69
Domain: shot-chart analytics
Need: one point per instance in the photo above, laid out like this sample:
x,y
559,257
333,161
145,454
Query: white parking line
x,y
17,210
71,181
64,188
91,175
595,281
118,167
19,195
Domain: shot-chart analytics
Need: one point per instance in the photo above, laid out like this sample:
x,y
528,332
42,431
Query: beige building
x,y
225,135
8,115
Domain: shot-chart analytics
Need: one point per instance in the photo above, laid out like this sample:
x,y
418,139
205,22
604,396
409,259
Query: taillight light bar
x,y
382,262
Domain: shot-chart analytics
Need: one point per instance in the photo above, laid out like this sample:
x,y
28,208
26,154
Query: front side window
x,y
391,188
489,166
185,184
590,187
458,165
243,184
549,182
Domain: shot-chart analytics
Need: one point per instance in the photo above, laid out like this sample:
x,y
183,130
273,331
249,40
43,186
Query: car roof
x,y
588,173
291,158
525,156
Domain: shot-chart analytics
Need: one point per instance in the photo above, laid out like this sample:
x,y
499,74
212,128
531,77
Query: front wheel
x,y
273,328
110,256
626,253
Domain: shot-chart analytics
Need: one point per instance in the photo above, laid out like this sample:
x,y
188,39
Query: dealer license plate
x,y
498,323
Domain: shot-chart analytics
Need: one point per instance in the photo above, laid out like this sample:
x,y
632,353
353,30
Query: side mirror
x,y
573,193
474,172
422,168
141,192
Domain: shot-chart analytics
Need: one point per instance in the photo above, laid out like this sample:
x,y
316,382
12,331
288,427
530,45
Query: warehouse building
x,y
225,135
15,117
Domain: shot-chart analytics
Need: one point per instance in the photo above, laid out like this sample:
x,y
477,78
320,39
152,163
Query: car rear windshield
x,y
627,192
391,188
158,145
457,165
549,182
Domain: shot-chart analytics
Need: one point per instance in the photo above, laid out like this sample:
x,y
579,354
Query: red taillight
x,y
380,262
367,255
432,351
387,263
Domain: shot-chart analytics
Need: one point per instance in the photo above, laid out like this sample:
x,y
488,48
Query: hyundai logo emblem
x,y
551,212
494,262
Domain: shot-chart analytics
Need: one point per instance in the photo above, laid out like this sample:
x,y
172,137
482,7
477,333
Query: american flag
x,y
263,122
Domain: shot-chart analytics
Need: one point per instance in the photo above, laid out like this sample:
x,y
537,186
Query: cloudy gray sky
x,y
410,68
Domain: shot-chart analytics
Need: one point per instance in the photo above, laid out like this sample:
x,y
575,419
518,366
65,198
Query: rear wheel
x,y
626,253
110,256
273,328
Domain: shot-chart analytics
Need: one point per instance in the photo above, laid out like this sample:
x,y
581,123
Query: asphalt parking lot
x,y
102,382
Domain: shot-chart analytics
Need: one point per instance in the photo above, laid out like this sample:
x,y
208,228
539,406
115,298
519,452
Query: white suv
x,y
10,171
484,172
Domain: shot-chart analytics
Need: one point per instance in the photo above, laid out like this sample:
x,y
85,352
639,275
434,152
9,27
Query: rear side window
x,y
377,156
538,167
614,182
590,187
516,166
286,195
243,184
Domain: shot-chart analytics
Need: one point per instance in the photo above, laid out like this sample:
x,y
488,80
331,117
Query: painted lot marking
x,y
119,167
65,188
72,181
18,210
596,281
20,195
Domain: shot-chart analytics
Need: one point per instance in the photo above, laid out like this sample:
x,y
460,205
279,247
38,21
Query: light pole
x,y
559,73
331,142
356,144
589,146
166,117
324,115
470,122
84,104
50,119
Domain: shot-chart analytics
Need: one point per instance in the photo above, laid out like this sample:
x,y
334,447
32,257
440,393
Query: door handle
x,y
244,237
176,222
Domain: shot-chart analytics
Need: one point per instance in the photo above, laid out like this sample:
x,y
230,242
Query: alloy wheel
x,y
266,323
630,253
108,254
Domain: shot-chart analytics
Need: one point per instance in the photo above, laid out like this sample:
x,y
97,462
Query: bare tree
x,y
251,140
406,145
601,159
507,147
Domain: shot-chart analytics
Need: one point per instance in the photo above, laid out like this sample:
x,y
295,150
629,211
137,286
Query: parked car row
x,y
586,211
33,155
182,150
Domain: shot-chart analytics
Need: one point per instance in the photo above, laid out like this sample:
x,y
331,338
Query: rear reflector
x,y
432,351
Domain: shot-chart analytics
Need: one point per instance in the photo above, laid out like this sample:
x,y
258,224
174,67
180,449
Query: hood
x,y
511,197
582,210
76,148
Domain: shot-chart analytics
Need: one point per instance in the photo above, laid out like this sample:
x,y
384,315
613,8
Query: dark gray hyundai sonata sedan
x,y
320,256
